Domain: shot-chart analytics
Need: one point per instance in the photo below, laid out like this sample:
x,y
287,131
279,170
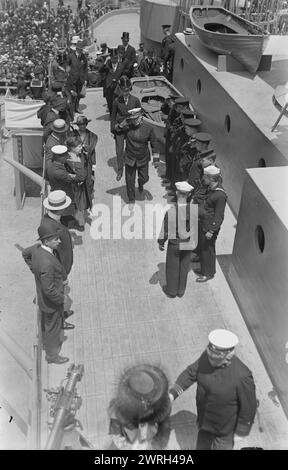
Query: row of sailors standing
x,y
194,178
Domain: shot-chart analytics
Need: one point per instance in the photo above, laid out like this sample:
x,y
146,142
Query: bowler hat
x,y
125,35
56,200
120,48
142,395
45,231
73,142
82,120
59,126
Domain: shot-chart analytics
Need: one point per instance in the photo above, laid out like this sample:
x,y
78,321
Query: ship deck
x,y
121,315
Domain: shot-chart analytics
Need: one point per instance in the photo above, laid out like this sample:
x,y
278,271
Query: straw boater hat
x,y
56,201
188,31
59,126
142,396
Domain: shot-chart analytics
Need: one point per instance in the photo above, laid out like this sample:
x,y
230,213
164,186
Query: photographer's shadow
x,y
159,277
112,162
120,191
183,430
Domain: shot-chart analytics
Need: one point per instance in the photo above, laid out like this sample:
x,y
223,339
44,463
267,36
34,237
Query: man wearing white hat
x,y
211,216
61,175
58,136
225,398
55,205
175,228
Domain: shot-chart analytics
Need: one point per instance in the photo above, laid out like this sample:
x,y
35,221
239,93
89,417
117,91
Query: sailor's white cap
x,y
134,111
212,170
183,187
223,339
59,149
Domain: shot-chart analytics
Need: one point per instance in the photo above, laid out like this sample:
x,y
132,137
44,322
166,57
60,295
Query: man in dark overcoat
x,y
225,397
121,105
129,53
137,153
114,69
50,277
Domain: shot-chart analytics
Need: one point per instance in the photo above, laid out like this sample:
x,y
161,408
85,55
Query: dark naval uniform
x,y
119,113
137,156
178,256
225,399
211,216
172,115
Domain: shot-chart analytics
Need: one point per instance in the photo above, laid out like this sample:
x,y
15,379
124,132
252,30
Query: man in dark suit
x,y
77,67
121,105
50,277
225,398
114,69
130,53
167,50
137,153
148,65
55,204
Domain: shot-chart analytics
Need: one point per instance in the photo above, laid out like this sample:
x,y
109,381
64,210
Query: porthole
x,y
182,64
227,123
260,238
262,163
199,86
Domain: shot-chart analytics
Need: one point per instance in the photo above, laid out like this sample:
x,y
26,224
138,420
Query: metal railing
x,y
32,366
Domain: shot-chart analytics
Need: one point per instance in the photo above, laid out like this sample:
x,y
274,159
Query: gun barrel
x,y
75,374
26,171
